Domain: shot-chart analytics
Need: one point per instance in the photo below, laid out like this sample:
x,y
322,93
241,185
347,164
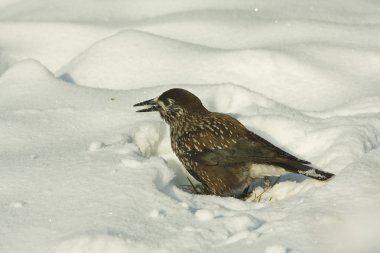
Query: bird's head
x,y
174,104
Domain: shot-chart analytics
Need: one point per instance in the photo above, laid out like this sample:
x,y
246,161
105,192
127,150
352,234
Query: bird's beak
x,y
152,103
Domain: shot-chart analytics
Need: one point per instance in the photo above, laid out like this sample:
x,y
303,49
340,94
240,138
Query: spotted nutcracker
x,y
217,150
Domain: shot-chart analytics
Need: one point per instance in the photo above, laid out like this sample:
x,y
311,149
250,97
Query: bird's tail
x,y
307,170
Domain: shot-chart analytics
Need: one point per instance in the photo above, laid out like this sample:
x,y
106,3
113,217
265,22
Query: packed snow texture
x,y
81,172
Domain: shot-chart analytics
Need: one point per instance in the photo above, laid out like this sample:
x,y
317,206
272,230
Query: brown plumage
x,y
218,150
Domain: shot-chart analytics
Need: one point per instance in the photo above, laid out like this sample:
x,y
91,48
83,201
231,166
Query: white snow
x,y
275,249
81,171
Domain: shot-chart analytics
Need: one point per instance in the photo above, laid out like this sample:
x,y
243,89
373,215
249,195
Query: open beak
x,y
151,103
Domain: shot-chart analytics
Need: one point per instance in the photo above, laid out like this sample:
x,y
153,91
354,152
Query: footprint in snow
x,y
233,227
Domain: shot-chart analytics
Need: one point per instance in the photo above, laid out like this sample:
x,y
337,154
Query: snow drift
x,y
82,172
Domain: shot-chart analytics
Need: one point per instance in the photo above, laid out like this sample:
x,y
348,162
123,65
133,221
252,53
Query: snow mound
x,y
46,39
31,69
81,171
133,59
136,53
104,243
26,79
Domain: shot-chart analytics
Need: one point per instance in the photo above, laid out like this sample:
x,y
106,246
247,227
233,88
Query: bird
x,y
219,151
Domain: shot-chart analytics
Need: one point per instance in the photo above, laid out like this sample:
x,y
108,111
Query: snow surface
x,y
81,172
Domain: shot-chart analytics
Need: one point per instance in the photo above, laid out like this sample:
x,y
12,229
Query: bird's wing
x,y
244,151
266,145
227,142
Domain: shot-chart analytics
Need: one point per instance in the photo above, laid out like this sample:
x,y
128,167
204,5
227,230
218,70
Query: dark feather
x,y
266,145
256,151
306,170
245,151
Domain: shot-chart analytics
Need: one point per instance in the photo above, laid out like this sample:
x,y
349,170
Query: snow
x,y
82,172
275,249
